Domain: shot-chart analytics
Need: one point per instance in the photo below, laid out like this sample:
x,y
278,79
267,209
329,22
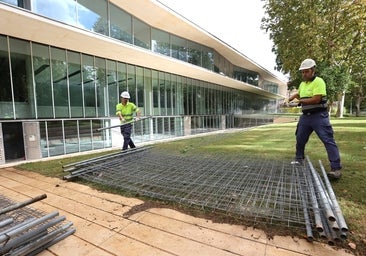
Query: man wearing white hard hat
x,y
125,111
312,98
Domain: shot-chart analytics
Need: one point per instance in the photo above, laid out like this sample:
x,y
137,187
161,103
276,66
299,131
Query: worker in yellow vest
x,y
125,111
312,97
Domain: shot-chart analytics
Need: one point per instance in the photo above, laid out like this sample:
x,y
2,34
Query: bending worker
x,y
312,98
125,111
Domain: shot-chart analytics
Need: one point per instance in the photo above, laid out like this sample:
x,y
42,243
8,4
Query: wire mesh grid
x,y
26,231
19,215
255,189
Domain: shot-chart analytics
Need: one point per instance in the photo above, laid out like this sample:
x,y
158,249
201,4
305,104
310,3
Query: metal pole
x,y
318,221
5,222
119,125
26,250
20,205
309,232
31,235
8,235
323,200
337,209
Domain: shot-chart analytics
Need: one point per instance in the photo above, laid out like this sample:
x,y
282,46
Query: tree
x,y
332,32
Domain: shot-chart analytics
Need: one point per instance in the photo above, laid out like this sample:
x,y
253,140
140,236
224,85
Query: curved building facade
x,y
64,63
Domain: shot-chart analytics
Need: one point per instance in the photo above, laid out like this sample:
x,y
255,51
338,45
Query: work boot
x,y
297,161
334,174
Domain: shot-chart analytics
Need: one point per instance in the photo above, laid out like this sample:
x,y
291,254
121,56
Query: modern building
x,y
64,63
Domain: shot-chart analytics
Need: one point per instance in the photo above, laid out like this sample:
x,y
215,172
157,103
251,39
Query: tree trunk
x,y
340,104
358,105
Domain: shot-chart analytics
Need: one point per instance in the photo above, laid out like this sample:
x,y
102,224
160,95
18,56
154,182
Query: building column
x,y
223,122
2,151
32,140
187,125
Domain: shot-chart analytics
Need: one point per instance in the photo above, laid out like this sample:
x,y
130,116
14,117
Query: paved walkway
x,y
102,230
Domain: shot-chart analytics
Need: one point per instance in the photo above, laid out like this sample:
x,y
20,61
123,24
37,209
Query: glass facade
x,y
72,94
108,19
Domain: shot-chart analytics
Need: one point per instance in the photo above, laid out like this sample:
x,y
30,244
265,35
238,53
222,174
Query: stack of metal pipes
x,y
328,218
25,231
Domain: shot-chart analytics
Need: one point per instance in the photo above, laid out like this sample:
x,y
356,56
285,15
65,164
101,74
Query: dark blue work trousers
x,y
126,133
318,122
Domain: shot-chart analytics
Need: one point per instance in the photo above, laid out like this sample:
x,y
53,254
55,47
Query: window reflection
x,y
42,78
101,85
93,15
6,108
89,73
70,84
141,34
179,48
121,24
113,95
75,85
59,76
64,11
160,41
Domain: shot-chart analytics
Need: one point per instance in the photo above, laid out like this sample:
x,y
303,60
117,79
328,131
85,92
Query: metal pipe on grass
x,y
337,210
322,196
318,221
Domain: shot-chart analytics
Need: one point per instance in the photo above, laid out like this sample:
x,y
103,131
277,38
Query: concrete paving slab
x,y
233,230
103,229
201,234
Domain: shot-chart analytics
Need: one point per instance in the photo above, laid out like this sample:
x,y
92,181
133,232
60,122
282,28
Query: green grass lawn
x,y
277,141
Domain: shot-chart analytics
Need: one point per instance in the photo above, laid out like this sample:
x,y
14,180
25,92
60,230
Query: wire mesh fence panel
x,y
259,189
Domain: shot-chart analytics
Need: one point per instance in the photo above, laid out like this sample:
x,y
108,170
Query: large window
x,y
194,53
155,92
139,100
112,79
141,34
93,15
64,11
162,93
207,58
43,82
89,76
121,24
131,81
6,108
179,48
59,77
147,92
75,84
160,41
122,78
101,86
21,69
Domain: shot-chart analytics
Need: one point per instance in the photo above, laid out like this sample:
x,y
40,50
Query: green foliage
x,y
333,33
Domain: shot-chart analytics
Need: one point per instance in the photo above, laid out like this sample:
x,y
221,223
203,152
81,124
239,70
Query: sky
x,y
235,22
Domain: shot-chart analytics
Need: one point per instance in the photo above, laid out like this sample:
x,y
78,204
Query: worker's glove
x,y
136,118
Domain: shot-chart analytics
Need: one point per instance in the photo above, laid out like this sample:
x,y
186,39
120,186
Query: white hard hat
x,y
307,63
125,95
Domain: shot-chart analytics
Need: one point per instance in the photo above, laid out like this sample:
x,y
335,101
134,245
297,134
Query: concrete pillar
x,y
2,151
187,125
32,138
223,122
